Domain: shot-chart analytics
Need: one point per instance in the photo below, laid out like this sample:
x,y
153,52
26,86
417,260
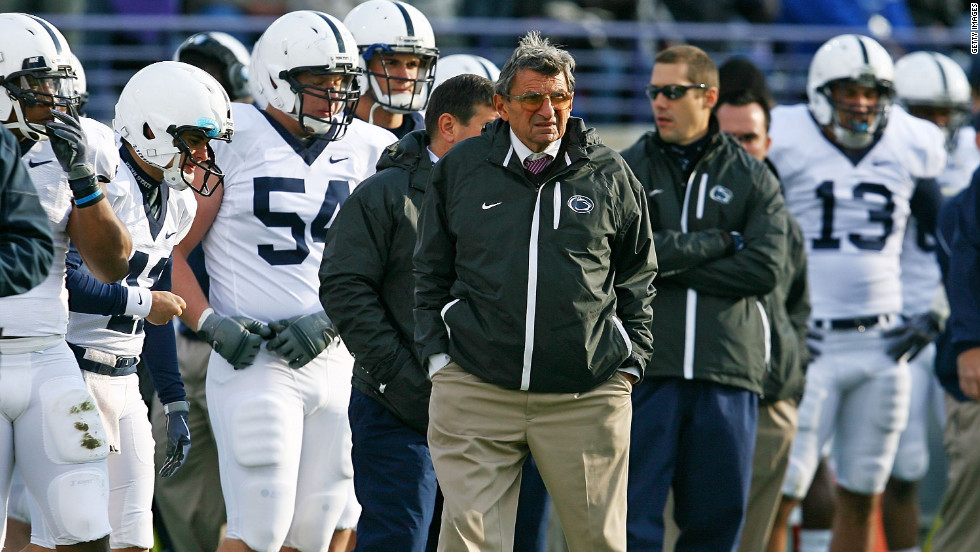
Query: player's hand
x,y
164,307
968,369
236,338
68,142
178,437
911,337
814,343
300,339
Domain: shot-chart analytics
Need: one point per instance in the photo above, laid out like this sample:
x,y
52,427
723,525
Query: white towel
x,y
110,400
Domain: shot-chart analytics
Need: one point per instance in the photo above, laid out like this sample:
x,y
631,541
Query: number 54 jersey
x,y
264,248
853,214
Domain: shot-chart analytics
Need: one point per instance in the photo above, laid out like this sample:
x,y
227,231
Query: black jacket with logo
x,y
541,284
708,322
366,282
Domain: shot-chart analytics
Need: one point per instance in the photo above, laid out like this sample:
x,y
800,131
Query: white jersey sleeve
x,y
264,248
853,215
153,243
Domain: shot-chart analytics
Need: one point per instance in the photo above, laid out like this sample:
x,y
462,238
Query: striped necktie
x,y
536,165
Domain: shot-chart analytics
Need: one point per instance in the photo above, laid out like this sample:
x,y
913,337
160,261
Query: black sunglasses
x,y
672,91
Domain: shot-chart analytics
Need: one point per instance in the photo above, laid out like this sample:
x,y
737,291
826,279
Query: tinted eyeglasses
x,y
532,101
672,91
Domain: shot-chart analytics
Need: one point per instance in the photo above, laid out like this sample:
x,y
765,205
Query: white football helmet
x,y
80,84
306,42
163,102
391,27
35,69
226,51
465,64
854,59
930,81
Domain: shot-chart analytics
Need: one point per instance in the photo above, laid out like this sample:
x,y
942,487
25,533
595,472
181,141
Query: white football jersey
x,y
920,271
153,242
44,309
853,216
264,248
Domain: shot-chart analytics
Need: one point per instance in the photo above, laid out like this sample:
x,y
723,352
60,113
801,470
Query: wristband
x,y
176,406
86,192
139,302
204,316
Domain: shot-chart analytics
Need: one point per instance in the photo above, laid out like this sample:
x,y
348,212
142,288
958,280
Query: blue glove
x,y
178,437
302,338
236,338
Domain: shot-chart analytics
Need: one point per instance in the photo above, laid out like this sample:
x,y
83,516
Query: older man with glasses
x,y
719,223
534,272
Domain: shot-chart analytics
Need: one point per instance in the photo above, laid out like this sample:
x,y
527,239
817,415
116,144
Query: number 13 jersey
x,y
853,215
264,248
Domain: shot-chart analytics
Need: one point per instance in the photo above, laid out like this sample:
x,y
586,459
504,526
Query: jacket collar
x,y
574,148
410,154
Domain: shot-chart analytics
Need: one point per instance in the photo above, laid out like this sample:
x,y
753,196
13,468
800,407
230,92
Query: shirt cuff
x,y
138,302
438,361
632,370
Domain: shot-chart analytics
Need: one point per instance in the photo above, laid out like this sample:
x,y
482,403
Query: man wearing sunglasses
x,y
719,224
534,272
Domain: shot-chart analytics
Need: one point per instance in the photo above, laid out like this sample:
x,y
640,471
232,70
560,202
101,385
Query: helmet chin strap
x,y
375,106
22,125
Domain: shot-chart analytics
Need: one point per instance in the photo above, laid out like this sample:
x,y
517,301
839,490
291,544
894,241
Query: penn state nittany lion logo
x,y
581,204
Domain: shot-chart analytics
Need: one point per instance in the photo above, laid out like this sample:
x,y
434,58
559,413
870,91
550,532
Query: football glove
x,y
68,143
302,338
814,341
236,338
178,437
912,336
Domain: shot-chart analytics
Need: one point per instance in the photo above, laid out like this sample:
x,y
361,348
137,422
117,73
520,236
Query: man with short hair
x,y
745,115
366,288
534,272
719,223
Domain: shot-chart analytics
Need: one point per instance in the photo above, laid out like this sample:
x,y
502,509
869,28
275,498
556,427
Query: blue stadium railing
x,y
614,58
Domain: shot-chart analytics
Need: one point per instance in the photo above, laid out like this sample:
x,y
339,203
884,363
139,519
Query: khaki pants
x,y
774,438
191,502
480,434
960,510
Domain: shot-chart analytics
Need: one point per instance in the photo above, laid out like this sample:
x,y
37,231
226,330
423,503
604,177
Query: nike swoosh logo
x,y
169,235
39,163
491,206
652,193
333,160
139,300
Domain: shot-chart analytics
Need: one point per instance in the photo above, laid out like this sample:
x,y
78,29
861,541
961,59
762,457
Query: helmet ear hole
x,y
147,132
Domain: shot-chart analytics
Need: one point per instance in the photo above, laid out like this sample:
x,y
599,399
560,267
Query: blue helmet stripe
x,y
50,30
341,46
409,27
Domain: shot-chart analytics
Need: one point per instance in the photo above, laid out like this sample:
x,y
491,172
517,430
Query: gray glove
x,y
178,437
911,337
814,342
302,338
68,142
236,338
